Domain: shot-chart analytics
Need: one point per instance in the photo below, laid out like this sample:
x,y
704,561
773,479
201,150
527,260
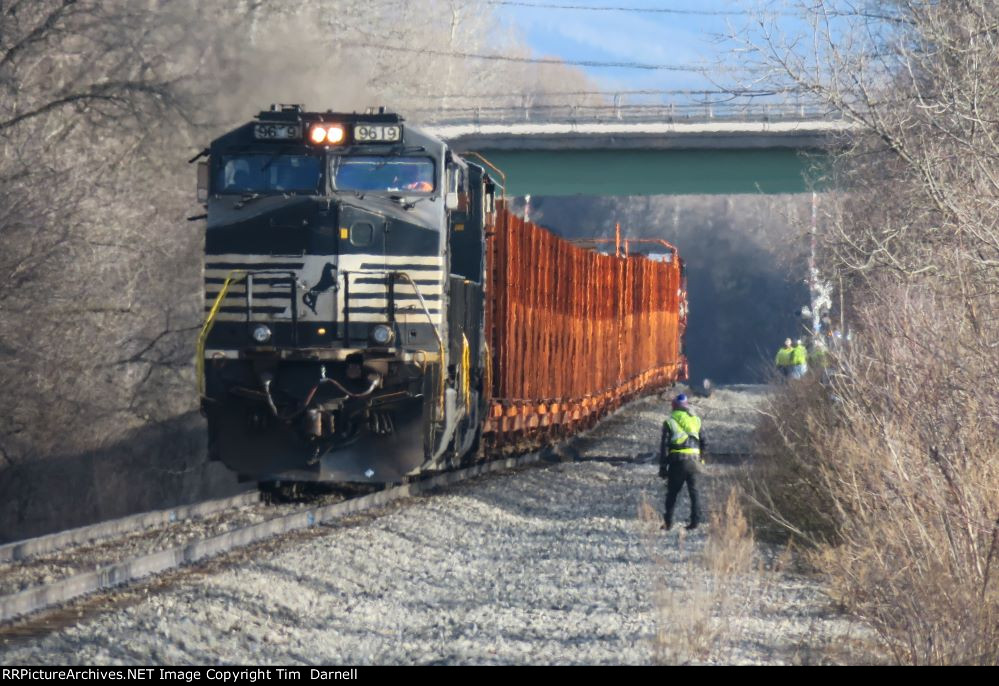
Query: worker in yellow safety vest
x,y
818,357
818,360
680,451
783,360
799,360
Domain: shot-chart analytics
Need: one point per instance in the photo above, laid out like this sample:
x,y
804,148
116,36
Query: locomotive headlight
x,y
261,334
317,134
323,133
381,334
334,134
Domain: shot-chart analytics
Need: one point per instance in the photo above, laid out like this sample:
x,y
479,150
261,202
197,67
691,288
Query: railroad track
x,y
52,593
34,547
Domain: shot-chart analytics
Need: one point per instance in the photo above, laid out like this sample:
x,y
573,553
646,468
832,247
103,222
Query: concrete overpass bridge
x,y
646,150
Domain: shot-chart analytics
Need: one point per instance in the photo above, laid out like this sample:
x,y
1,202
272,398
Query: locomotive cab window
x,y
260,173
382,173
457,188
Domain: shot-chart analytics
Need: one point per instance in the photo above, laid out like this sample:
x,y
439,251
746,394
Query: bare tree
x,y
101,104
906,452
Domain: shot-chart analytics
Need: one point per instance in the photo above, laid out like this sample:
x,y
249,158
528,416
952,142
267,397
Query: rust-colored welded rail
x,y
573,333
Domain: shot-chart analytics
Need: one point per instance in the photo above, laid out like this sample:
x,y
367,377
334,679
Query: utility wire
x,y
742,93
865,14
607,8
544,60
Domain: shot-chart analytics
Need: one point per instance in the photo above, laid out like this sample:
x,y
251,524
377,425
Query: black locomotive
x,y
343,338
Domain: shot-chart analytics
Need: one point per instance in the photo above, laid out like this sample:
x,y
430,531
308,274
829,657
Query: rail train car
x,y
374,311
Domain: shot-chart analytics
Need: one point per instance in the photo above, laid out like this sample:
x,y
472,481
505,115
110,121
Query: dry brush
x,y
890,470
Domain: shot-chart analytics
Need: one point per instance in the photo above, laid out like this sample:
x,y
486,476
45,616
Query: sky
x,y
688,32
632,36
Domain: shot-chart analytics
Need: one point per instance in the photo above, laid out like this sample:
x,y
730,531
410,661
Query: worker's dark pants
x,y
680,471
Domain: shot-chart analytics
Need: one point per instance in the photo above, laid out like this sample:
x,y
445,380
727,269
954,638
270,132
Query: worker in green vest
x,y
680,459
818,359
783,360
799,360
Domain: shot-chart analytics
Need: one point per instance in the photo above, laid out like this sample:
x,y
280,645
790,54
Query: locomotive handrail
x,y
466,372
489,371
440,341
491,166
206,328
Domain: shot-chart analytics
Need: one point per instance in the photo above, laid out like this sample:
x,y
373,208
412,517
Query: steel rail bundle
x,y
573,333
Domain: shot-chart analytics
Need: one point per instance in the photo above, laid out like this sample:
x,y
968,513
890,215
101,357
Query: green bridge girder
x,y
657,171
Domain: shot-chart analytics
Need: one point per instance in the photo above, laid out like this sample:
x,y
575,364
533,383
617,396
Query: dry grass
x,y
785,486
891,473
890,476
695,617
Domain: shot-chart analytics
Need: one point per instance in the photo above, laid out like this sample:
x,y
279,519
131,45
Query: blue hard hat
x,y
680,401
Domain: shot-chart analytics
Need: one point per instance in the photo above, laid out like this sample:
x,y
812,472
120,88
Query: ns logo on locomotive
x,y
343,338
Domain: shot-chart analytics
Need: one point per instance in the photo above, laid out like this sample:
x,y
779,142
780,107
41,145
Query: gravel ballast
x,y
549,565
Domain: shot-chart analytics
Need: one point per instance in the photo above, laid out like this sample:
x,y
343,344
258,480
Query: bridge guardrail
x,y
637,113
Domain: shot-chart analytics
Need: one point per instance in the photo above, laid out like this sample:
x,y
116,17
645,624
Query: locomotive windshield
x,y
259,173
381,173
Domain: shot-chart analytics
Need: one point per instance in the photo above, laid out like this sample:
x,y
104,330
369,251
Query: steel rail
x,y
59,592
93,533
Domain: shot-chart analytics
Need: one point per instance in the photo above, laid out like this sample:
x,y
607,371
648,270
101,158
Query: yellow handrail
x,y
206,329
466,373
440,341
488,390
493,167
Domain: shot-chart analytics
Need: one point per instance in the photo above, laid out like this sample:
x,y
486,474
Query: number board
x,y
277,132
377,133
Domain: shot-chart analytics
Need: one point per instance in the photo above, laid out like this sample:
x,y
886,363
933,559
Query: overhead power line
x,y
611,8
862,13
742,93
700,69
